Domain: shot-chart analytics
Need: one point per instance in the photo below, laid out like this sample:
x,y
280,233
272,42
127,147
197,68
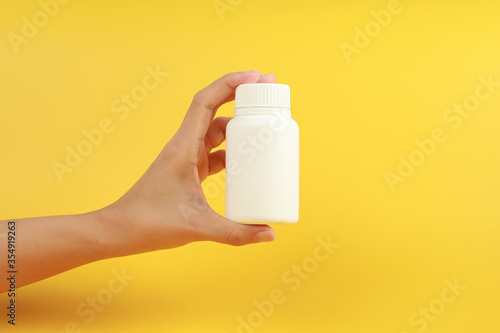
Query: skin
x,y
164,209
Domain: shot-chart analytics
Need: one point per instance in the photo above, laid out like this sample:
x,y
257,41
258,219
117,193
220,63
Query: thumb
x,y
225,231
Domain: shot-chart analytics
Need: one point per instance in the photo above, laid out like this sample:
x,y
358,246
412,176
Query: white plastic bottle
x,y
262,157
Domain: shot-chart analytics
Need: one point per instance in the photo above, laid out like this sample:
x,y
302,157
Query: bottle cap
x,y
264,95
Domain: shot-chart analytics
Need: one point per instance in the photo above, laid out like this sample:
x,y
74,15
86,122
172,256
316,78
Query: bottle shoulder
x,y
242,120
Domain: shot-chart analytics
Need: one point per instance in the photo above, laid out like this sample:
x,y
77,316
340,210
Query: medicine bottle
x,y
262,156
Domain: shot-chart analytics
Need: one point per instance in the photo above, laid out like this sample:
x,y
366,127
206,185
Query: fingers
x,y
216,162
224,231
216,133
267,78
206,101
264,78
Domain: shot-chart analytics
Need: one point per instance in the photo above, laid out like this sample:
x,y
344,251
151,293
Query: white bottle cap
x,y
262,95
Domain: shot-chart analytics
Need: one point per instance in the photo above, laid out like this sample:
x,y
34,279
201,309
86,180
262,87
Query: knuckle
x,y
198,95
234,238
200,99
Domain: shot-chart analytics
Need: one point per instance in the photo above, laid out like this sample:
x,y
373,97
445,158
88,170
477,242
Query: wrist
x,y
111,234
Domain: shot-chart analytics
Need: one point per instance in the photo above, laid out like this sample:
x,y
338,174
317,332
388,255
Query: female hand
x,y
166,208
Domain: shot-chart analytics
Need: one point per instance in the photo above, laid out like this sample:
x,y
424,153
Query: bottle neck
x,y
262,111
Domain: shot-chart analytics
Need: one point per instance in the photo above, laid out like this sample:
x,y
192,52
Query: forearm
x,y
46,246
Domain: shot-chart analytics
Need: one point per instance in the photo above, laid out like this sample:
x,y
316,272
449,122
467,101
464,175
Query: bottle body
x,y
262,167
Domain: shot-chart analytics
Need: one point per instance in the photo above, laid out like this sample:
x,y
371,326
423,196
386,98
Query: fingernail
x,y
255,70
264,236
268,75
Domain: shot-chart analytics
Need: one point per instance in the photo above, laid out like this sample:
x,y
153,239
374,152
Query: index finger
x,y
207,101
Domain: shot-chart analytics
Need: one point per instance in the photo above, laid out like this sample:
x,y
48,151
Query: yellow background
x,y
396,248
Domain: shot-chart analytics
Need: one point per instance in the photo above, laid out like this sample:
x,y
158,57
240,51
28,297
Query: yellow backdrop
x,y
398,107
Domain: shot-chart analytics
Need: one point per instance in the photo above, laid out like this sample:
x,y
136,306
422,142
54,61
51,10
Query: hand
x,y
166,208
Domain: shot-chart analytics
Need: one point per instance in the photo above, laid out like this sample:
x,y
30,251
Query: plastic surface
x,y
262,164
